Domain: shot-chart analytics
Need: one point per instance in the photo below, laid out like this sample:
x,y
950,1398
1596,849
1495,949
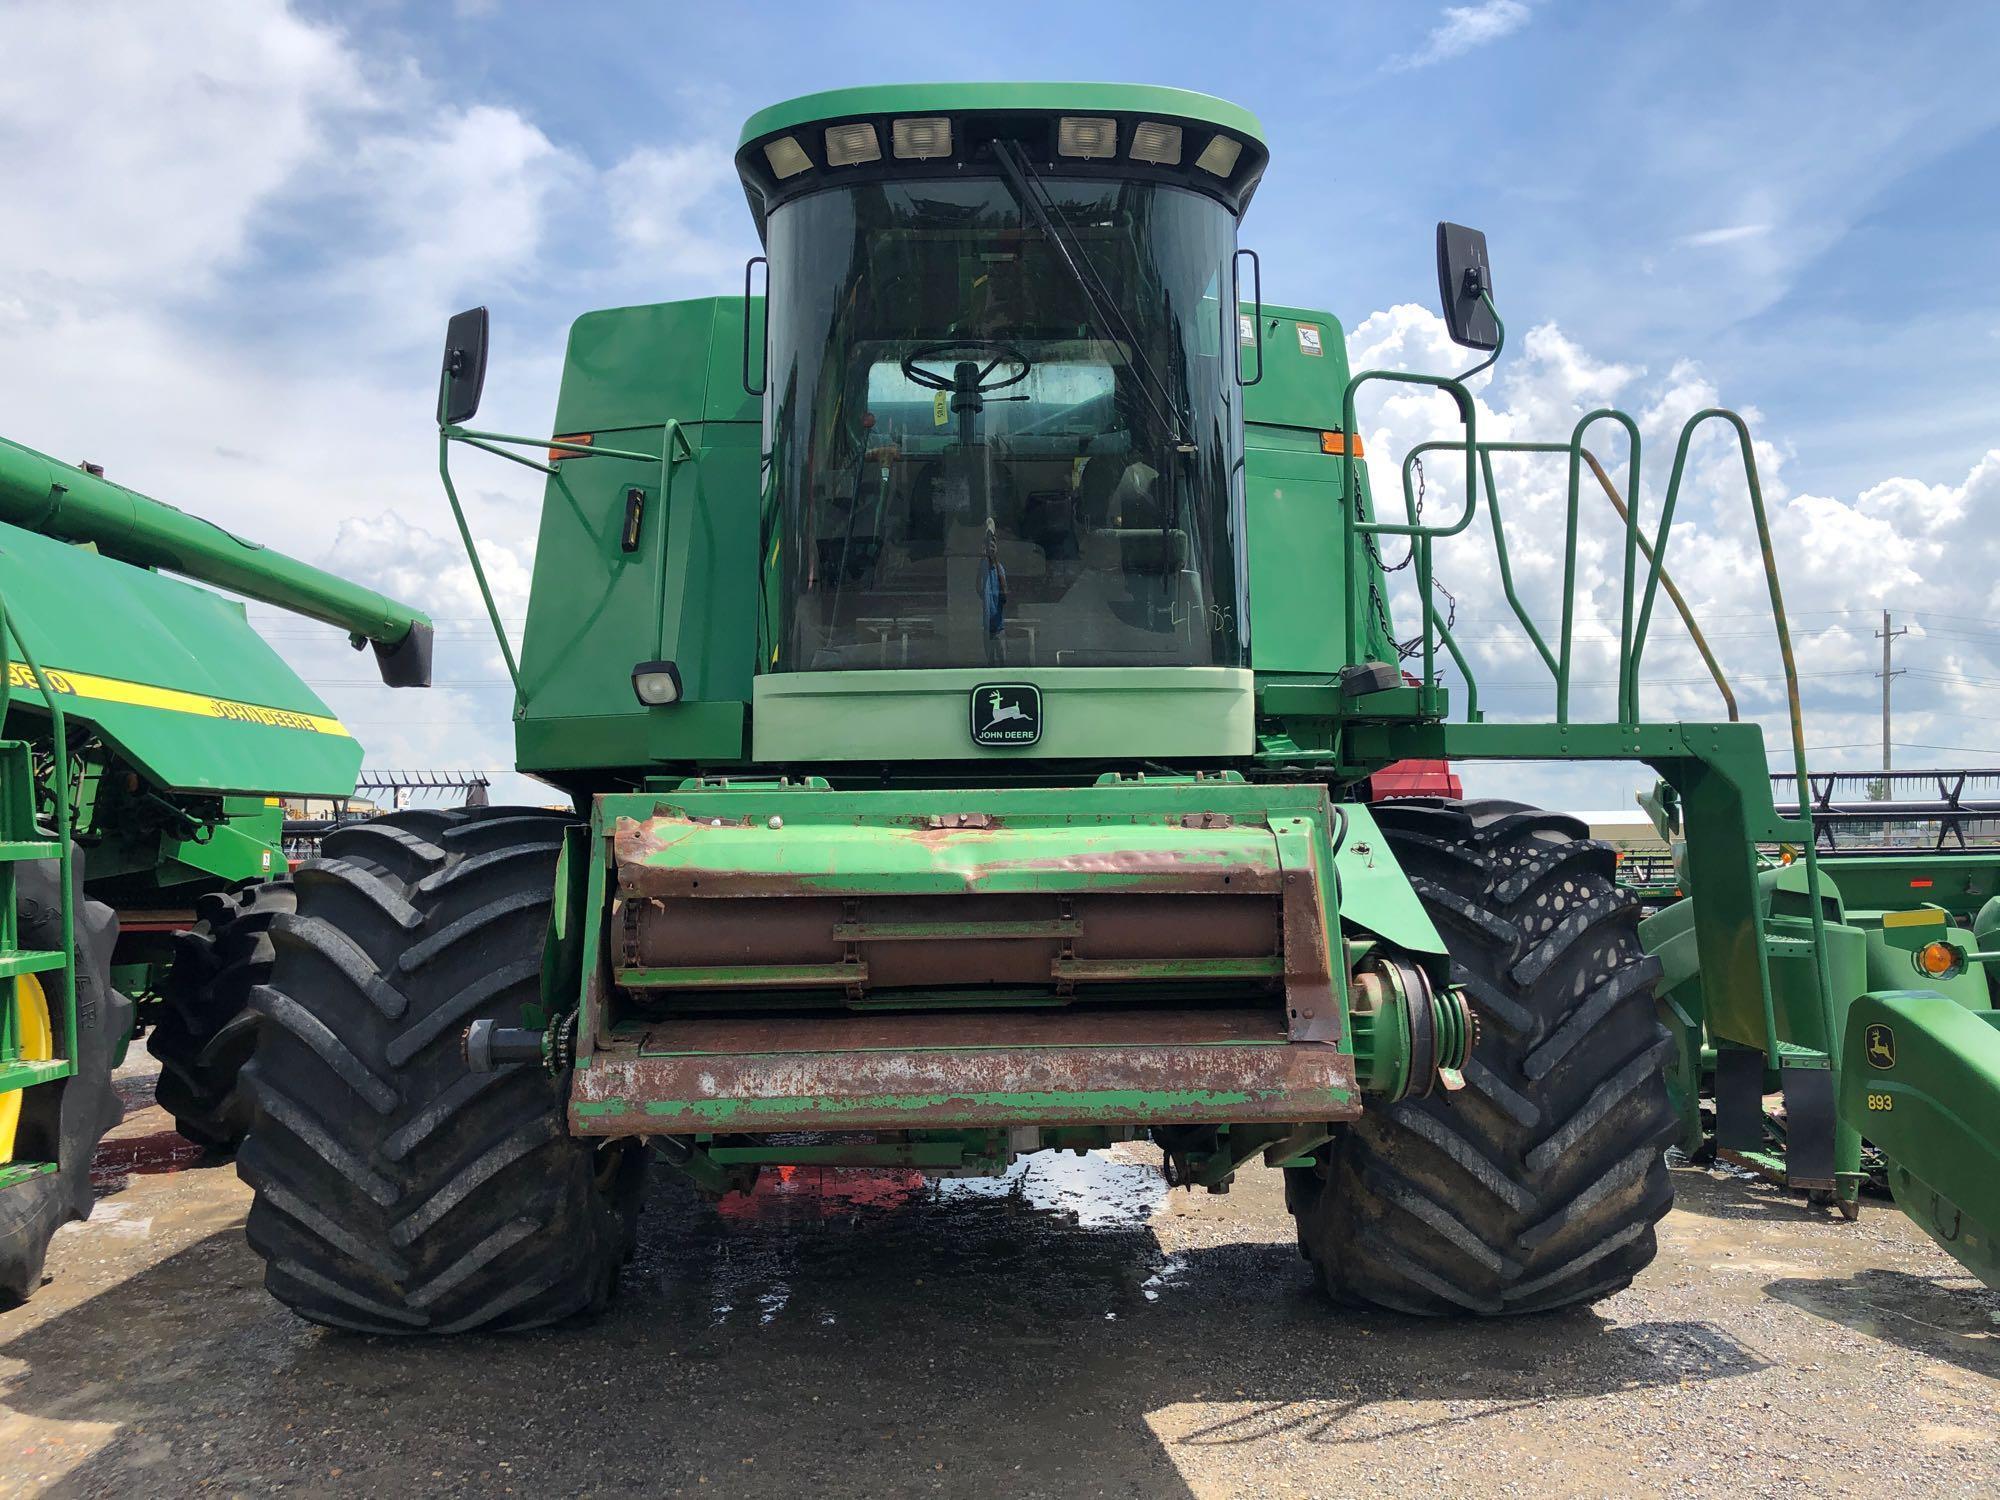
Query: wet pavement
x,y
1073,1330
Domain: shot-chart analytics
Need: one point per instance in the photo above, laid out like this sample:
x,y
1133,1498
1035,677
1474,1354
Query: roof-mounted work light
x,y
849,144
1219,155
1156,143
1087,136
922,138
787,157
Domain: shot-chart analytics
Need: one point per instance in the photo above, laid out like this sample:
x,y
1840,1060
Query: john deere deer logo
x,y
1006,714
1879,1042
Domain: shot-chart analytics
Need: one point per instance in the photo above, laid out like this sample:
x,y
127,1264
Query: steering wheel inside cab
x,y
973,363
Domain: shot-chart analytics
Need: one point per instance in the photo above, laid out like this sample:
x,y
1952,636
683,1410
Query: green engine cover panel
x,y
170,674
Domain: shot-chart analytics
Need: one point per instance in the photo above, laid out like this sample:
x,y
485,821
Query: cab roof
x,y
1214,147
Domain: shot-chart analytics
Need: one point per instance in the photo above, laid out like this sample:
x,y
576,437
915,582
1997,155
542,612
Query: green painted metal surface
x,y
171,674
1088,713
1293,497
29,835
1923,1083
882,845
782,841
596,609
1960,882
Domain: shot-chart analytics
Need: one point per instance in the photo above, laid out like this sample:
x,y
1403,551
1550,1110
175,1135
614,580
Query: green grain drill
x,y
149,737
967,652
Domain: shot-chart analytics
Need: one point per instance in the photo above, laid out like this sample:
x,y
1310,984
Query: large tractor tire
x,y
396,1191
63,1121
1538,1184
207,1030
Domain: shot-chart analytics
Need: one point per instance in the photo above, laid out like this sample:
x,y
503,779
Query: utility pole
x,y
1887,637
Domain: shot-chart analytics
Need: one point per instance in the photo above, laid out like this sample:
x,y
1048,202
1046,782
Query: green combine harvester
x,y
149,737
965,654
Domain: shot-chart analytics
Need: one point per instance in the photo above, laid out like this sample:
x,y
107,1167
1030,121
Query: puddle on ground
x,y
1100,1190
1172,1271
141,1156
762,1245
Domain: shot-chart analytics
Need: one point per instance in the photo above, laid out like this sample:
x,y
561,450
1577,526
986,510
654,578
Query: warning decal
x,y
173,700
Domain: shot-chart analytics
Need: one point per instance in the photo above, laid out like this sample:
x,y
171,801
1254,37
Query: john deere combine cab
x,y
148,735
965,653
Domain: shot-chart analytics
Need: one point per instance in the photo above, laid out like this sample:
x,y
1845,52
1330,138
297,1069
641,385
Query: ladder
x,y
23,837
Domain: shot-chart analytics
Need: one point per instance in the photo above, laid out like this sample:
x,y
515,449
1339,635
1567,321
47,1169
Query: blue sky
x,y
226,276
1804,196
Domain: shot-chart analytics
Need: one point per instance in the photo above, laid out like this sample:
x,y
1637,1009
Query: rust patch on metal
x,y
947,941
912,1072
960,820
1309,1000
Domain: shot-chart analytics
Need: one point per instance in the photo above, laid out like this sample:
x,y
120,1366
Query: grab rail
x,y
1636,603
1502,557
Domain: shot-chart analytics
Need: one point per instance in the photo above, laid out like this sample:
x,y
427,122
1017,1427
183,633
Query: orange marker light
x,y
585,438
1938,960
1336,444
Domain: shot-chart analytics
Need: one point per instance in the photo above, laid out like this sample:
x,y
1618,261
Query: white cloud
x,y
664,203
136,150
448,200
1466,27
1725,236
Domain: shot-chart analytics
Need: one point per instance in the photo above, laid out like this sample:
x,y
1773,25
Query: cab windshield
x,y
975,461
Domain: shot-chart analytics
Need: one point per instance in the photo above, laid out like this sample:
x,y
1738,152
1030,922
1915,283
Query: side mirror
x,y
464,373
1465,286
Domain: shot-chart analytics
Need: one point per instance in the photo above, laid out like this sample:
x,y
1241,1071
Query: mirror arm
x,y
499,452
472,556
1499,340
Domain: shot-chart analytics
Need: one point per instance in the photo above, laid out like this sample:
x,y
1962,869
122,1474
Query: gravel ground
x,y
1075,1331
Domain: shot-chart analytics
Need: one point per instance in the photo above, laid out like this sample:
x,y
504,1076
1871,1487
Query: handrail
x,y
1794,711
1635,631
1352,524
1634,625
672,434
1628,704
1674,594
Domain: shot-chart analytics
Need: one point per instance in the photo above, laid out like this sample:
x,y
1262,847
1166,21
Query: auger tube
x,y
46,495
